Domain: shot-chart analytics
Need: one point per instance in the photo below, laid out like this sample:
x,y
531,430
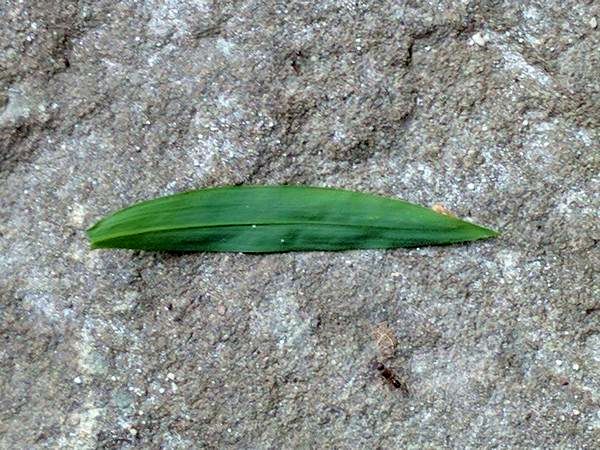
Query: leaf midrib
x,y
226,225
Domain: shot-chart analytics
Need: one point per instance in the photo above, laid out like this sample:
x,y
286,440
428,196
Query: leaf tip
x,y
488,233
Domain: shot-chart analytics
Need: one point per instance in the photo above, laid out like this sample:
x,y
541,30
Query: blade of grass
x,y
259,219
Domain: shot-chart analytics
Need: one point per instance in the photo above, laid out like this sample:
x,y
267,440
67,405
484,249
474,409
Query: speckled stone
x,y
487,107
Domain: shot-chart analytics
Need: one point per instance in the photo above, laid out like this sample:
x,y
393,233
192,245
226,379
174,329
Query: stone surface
x,y
488,107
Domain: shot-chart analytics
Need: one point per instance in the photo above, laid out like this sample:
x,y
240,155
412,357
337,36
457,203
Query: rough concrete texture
x,y
489,107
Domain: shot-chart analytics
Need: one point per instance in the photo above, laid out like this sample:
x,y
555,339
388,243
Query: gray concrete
x,y
488,107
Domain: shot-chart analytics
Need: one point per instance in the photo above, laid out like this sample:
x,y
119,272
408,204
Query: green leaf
x,y
257,219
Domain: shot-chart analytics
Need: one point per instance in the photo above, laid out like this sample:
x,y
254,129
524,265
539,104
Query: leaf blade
x,y
257,219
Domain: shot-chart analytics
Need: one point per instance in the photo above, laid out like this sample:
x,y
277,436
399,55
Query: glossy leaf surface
x,y
258,219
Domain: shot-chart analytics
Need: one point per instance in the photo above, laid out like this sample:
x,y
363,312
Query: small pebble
x,y
575,366
478,39
593,23
133,431
77,380
170,376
